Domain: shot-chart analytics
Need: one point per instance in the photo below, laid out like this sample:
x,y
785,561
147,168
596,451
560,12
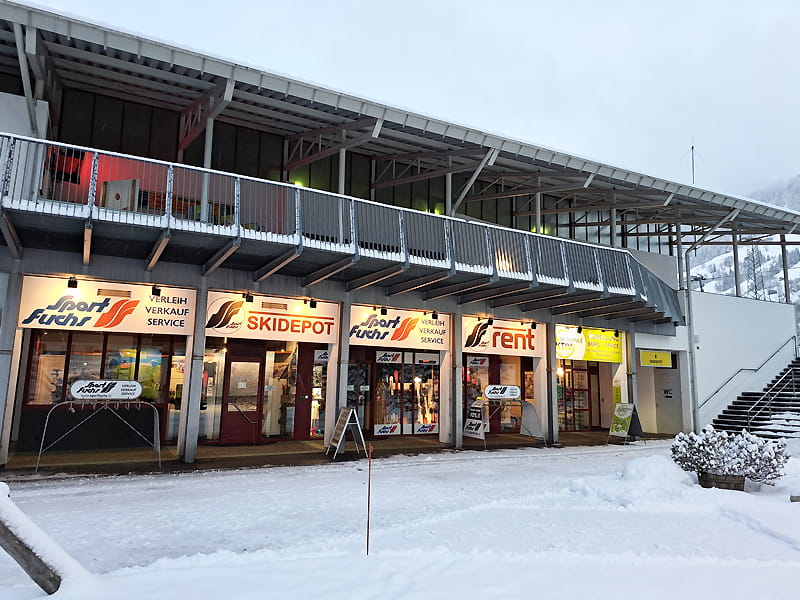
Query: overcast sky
x,y
623,82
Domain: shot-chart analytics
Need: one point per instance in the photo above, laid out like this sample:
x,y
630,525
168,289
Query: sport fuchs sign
x,y
100,306
501,392
271,318
105,389
398,329
510,338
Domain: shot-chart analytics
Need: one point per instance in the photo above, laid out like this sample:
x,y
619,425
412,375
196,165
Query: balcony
x,y
63,197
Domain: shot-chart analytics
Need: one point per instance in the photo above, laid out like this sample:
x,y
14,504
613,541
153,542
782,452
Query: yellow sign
x,y
617,390
598,345
654,358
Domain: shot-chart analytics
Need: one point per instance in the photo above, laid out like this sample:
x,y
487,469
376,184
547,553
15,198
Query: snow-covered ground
x,y
600,522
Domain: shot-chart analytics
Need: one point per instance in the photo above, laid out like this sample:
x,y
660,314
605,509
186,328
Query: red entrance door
x,y
242,402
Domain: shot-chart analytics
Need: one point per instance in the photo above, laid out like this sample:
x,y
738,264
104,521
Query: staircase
x,y
771,413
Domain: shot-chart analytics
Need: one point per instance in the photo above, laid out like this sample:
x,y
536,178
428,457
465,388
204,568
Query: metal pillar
x,y
787,295
206,165
458,383
8,341
613,232
538,210
342,163
551,409
187,446
737,277
448,190
344,356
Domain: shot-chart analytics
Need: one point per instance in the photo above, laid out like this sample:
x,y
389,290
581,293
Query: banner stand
x,y
348,419
625,423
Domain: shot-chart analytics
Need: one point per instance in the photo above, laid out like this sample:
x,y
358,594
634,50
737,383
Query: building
x,y
257,253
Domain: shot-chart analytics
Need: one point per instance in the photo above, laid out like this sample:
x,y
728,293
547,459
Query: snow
x,y
593,522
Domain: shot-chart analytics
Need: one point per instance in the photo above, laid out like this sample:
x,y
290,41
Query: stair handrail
x,y
753,369
770,393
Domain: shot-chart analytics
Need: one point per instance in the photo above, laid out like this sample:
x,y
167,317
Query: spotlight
x,y
383,311
248,297
72,283
616,333
434,315
580,329
490,321
312,303
533,324
155,291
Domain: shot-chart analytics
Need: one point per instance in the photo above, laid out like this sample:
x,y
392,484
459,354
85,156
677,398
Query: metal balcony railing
x,y
51,178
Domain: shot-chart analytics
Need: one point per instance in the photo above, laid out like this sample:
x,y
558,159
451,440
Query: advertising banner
x,y
399,329
101,306
598,345
473,426
500,337
105,389
655,358
270,318
622,420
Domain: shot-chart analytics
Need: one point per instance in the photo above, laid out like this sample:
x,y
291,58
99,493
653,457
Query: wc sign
x,y
501,392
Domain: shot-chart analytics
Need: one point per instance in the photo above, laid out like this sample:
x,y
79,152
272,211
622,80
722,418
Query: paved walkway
x,y
281,453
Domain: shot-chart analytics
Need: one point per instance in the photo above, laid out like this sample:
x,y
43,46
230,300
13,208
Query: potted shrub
x,y
723,459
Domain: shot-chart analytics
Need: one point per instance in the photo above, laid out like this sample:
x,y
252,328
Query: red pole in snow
x,y
369,490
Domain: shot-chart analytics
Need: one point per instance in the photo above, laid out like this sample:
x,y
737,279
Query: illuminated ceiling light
x,y
248,297
72,283
384,311
155,291
560,371
312,303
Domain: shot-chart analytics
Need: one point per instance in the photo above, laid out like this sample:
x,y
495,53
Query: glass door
x,y
242,403
358,386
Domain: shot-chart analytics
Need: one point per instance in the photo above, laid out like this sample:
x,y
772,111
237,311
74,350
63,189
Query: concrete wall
x,y
664,266
734,343
14,116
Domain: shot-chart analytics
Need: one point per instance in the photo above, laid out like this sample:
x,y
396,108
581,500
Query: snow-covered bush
x,y
724,453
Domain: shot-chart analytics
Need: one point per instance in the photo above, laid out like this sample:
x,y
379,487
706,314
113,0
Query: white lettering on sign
x,y
47,303
266,318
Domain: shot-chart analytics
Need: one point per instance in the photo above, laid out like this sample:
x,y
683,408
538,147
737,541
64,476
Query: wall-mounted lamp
x,y
312,303
72,283
434,315
616,333
533,324
580,329
490,321
155,291
248,297
383,311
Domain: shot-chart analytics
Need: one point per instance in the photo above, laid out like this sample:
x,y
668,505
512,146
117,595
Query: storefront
x,y
88,330
265,368
394,378
500,352
589,376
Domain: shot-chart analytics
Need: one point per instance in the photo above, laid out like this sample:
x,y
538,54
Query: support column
x,y
344,360
537,203
342,164
787,295
613,232
206,165
551,412
633,366
457,403
9,340
737,277
682,283
448,189
187,445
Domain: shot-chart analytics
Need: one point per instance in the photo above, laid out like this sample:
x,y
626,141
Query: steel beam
x,y
334,149
487,160
523,298
421,176
559,301
26,78
376,277
333,129
213,263
277,264
157,250
454,288
329,271
415,284
87,242
10,236
493,293
590,304
207,107
614,310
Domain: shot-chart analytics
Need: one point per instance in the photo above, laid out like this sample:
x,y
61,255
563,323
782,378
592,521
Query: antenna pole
x,y
692,164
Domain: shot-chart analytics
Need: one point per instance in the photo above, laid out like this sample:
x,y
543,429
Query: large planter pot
x,y
723,482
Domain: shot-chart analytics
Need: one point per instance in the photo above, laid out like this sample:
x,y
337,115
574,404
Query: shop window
x,y
510,413
176,383
85,358
153,362
213,387
49,353
280,387
120,357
